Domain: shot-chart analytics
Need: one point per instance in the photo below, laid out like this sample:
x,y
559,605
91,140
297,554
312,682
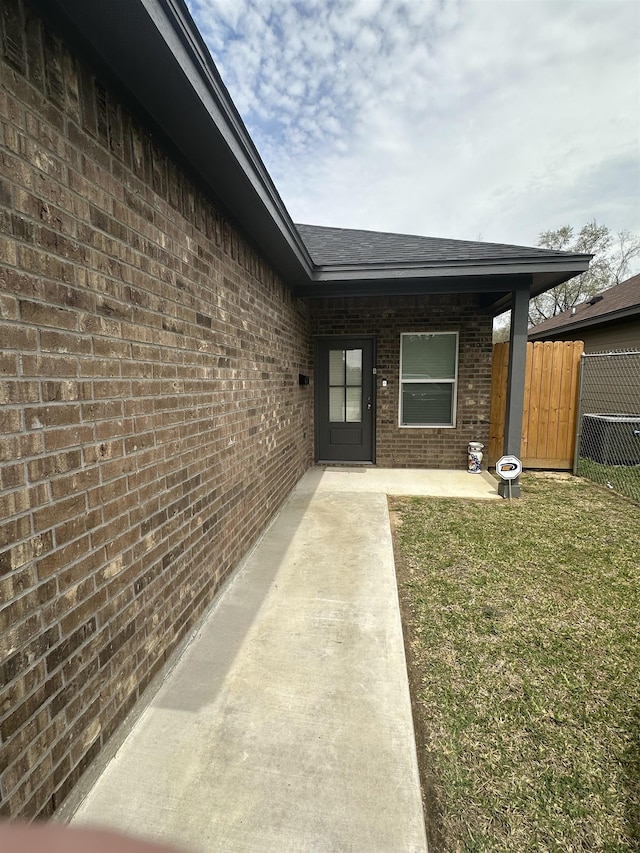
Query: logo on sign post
x,y
509,467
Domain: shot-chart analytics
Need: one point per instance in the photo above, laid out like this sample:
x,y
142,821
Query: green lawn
x,y
623,478
522,627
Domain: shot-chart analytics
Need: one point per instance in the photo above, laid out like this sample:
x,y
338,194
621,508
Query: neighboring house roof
x,y
620,302
152,52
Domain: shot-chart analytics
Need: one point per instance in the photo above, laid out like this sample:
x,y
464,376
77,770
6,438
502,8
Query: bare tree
x,y
613,255
627,250
502,328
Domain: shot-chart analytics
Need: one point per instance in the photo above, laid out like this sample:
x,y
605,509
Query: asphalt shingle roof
x,y
621,297
346,246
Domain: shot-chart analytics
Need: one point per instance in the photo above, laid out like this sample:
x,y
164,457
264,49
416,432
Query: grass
x,y
623,478
521,622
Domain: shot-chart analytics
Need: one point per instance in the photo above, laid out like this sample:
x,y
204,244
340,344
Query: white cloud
x,y
443,117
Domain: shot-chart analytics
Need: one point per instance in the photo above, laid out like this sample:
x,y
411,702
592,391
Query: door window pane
x,y
336,405
336,367
354,405
354,366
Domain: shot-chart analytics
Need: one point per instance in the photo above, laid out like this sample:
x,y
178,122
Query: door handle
x,y
368,402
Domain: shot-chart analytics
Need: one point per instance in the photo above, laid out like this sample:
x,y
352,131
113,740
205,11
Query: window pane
x,y
354,367
354,405
429,356
336,405
427,403
336,367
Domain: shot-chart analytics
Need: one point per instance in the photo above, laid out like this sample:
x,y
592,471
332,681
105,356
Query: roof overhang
x,y
152,52
493,280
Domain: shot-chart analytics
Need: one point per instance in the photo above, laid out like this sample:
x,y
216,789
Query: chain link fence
x,y
608,441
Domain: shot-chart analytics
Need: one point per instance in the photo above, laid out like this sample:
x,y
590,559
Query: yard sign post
x,y
509,468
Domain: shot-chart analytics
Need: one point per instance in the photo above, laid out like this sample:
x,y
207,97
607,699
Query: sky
x,y
485,120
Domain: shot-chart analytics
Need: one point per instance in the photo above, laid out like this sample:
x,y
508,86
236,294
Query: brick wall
x,y
151,417
386,318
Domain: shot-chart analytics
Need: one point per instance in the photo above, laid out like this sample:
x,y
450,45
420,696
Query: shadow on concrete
x,y
209,656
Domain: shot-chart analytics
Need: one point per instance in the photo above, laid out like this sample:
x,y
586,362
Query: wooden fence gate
x,y
550,403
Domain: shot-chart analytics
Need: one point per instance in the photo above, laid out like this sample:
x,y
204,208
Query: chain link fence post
x,y
576,453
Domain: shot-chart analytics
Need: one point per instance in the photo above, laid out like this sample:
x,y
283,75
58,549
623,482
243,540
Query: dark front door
x,y
345,412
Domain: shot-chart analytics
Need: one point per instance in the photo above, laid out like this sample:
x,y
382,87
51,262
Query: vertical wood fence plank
x,y
566,415
527,414
576,364
554,446
536,354
499,371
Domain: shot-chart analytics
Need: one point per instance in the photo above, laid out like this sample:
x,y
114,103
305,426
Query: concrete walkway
x,y
286,723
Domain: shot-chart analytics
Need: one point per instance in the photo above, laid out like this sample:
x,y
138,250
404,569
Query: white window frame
x,y
453,382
